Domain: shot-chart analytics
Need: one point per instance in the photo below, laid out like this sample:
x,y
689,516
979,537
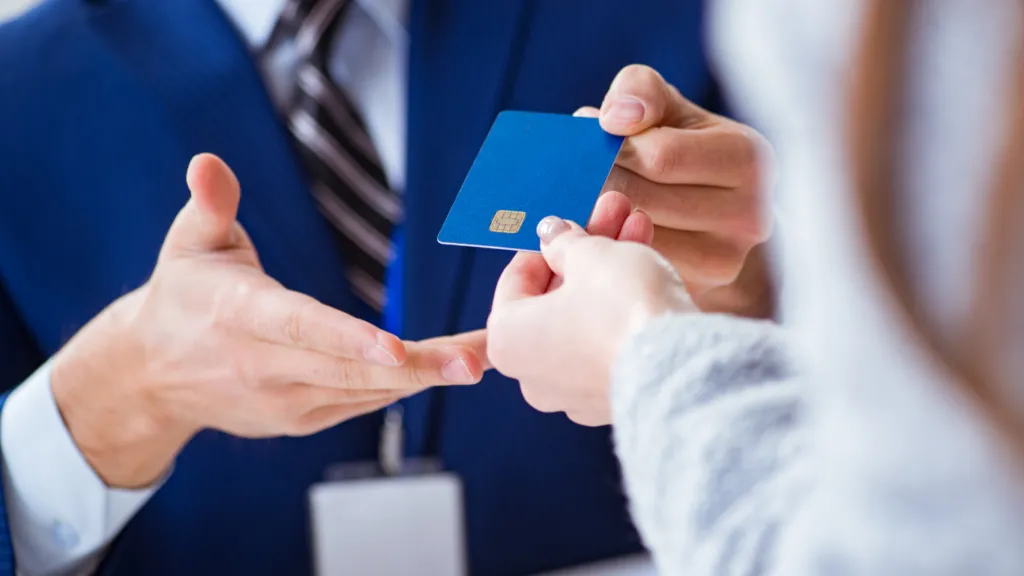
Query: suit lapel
x,y
462,67
190,58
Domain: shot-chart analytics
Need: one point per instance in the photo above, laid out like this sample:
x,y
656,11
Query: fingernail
x,y
457,372
627,110
549,228
378,354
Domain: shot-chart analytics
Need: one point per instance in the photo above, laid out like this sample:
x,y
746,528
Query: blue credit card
x,y
531,166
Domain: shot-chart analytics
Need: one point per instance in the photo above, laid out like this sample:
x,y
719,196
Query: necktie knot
x,y
309,24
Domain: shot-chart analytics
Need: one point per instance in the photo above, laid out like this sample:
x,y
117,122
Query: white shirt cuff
x,y
61,514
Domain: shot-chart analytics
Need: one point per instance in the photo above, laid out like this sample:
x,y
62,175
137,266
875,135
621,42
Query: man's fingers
x,y
615,218
426,365
638,228
721,156
639,98
295,320
609,215
750,295
527,275
695,208
300,398
587,112
207,222
437,365
702,260
475,341
329,415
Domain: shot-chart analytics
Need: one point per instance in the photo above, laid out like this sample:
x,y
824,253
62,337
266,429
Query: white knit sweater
x,y
835,446
730,472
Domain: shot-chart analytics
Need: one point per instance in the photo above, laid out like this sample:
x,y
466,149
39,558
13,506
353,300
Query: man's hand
x,y
211,341
701,178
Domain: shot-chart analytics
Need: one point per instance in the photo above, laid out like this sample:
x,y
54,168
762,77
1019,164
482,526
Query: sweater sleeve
x,y
709,427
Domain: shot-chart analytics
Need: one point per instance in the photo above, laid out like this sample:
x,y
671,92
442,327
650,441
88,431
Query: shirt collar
x,y
255,18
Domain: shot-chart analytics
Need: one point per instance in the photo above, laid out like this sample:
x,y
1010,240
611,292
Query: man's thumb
x,y
207,222
640,98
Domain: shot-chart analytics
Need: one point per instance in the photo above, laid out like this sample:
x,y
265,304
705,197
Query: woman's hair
x,y
876,135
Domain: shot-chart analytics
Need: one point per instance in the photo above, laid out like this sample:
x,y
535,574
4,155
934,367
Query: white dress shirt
x,y
62,516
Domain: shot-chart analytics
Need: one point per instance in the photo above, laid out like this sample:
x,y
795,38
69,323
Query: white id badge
x,y
407,523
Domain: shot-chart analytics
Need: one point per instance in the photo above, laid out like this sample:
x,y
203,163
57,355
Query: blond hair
x,y
875,130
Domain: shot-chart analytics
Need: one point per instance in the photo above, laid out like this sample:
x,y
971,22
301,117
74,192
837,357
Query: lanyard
x,y
391,440
421,415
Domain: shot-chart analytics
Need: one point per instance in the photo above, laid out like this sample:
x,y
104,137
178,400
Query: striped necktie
x,y
345,173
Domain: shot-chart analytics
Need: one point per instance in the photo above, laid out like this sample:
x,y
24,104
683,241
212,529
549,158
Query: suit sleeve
x,y
709,427
58,515
19,356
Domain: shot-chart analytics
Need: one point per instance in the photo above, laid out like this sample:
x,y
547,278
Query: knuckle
x,y
716,265
247,370
423,376
581,418
292,402
298,426
342,373
333,373
292,426
747,156
753,224
537,398
299,322
276,409
662,160
764,229
298,410
757,229
495,351
640,73
725,268
312,421
413,375
497,347
230,301
751,156
309,425
293,326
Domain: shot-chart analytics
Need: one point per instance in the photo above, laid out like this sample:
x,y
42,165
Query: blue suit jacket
x,y
102,104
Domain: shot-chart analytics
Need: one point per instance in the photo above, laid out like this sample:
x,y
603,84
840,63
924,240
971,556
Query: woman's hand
x,y
560,342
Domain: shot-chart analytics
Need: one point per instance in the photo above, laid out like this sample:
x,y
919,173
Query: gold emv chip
x,y
507,221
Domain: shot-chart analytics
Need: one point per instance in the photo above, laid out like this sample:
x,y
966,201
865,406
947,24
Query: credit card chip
x,y
507,221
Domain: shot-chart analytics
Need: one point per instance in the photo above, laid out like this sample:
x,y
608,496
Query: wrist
x,y
100,388
664,299
752,295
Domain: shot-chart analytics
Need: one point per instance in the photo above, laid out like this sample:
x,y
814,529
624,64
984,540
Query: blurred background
x,y
9,8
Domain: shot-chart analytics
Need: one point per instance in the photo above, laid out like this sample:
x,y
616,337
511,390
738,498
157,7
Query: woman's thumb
x,y
557,239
